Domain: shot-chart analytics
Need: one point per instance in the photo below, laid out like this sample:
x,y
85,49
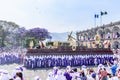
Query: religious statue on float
x,y
31,44
72,41
97,40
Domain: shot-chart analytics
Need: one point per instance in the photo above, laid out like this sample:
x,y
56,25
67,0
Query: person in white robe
x,y
84,68
50,76
16,70
60,76
4,75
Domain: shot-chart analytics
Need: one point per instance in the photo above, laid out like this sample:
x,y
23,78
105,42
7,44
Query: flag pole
x,y
101,14
94,21
95,18
101,18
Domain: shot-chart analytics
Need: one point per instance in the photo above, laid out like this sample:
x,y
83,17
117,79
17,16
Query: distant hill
x,y
61,36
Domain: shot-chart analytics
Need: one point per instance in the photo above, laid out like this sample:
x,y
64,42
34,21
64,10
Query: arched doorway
x,y
116,32
116,45
107,34
100,32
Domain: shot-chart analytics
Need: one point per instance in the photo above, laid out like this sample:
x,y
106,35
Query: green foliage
x,y
12,34
66,43
59,43
6,30
49,43
27,42
63,43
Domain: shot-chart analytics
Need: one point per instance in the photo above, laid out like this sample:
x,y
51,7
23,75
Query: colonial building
x,y
105,36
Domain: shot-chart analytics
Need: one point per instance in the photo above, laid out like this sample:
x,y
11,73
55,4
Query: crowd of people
x,y
7,58
11,56
103,72
108,66
84,73
71,73
17,74
44,61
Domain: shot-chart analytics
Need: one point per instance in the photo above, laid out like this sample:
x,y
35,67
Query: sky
x,y
59,15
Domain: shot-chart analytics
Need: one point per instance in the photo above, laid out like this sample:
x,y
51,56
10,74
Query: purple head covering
x,y
93,75
19,69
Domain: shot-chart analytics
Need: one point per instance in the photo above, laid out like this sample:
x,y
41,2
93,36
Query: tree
x,y
27,42
20,35
39,34
6,28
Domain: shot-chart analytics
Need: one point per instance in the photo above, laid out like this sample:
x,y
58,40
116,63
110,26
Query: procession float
x,y
70,47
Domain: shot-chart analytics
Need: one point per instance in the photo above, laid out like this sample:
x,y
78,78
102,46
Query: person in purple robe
x,y
67,73
55,70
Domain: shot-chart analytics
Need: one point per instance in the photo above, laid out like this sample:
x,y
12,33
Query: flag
x,y
103,13
96,16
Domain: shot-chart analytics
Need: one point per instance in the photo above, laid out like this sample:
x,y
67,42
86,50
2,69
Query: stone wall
x,y
109,33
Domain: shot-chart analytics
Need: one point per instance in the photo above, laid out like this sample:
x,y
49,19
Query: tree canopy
x,y
6,28
12,34
38,33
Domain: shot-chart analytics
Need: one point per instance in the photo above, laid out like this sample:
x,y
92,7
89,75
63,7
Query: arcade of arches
x,y
106,36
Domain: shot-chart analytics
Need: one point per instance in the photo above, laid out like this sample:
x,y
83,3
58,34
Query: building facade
x,y
105,36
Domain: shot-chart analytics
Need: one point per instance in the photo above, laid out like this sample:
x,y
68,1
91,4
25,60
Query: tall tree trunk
x,y
2,42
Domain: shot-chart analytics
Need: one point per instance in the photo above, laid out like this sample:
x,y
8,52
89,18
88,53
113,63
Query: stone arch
x,y
81,36
107,33
89,35
116,29
116,45
85,35
93,31
116,32
100,32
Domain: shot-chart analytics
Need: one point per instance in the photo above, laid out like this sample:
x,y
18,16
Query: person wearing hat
x,y
84,68
113,68
92,76
55,70
74,74
117,77
82,75
67,73
100,66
